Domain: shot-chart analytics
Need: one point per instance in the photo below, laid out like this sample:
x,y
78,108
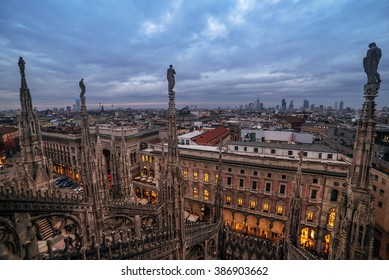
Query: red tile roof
x,y
212,137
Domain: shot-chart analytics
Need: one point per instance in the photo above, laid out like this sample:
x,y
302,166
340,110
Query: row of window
x,y
290,152
254,185
253,204
146,158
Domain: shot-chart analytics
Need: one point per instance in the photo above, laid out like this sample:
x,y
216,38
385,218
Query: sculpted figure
x,y
82,87
21,64
370,64
170,78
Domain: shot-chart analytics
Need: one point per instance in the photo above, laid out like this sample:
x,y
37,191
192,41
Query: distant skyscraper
x,y
78,104
306,104
291,104
257,104
341,105
312,107
336,105
68,109
283,104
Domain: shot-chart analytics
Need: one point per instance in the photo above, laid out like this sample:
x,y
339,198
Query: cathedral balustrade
x,y
28,200
147,247
295,253
238,245
129,207
198,232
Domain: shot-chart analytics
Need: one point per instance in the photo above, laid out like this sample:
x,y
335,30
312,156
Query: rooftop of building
x,y
306,147
7,129
212,137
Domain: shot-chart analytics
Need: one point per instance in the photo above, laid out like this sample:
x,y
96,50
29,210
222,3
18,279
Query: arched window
x,y
266,206
205,195
195,193
280,209
310,216
206,177
331,218
228,199
240,201
334,195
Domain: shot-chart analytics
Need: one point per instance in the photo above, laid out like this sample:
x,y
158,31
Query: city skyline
x,y
224,53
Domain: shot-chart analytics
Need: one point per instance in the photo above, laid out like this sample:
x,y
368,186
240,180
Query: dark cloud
x,y
224,52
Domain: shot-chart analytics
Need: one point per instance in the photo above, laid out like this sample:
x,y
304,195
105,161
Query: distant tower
x,y
35,169
257,104
306,104
172,186
341,105
336,105
283,104
291,104
352,237
78,104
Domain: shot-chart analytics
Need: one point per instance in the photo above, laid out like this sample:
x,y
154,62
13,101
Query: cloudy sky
x,y
224,52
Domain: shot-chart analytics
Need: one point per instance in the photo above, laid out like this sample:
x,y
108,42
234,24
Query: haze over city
x,y
225,53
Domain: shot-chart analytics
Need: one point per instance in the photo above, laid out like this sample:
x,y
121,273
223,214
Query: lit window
x,y
228,199
216,178
185,173
240,201
205,195
143,158
252,204
205,165
206,177
195,193
266,206
195,175
331,218
280,209
310,215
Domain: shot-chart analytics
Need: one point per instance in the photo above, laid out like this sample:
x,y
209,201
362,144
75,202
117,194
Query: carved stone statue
x,y
370,64
21,64
82,87
170,78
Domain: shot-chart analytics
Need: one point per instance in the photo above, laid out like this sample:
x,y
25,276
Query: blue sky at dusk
x,y
225,53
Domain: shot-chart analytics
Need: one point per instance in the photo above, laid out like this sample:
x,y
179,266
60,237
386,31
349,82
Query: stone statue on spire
x,y
21,64
170,78
370,64
82,87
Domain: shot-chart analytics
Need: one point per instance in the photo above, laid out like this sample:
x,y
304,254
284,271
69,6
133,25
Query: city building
x,y
149,194
9,140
